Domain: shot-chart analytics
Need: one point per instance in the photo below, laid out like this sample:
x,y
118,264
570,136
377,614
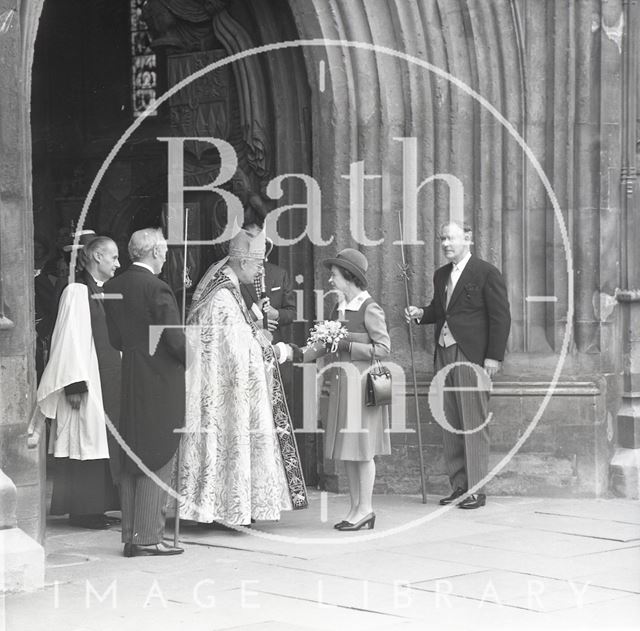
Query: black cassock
x,y
85,487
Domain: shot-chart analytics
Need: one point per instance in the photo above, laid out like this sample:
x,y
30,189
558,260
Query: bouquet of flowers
x,y
328,333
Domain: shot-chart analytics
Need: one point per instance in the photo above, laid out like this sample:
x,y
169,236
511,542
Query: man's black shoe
x,y
453,497
474,501
156,549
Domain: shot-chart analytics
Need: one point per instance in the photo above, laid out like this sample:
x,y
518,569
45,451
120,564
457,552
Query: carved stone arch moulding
x,y
183,26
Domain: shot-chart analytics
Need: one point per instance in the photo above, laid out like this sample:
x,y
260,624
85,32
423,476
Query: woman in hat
x,y
355,433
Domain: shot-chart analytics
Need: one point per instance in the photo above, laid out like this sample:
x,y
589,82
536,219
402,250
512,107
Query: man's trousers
x,y
143,505
466,456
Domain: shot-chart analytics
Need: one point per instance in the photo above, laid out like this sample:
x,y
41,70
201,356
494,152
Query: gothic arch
x,y
546,85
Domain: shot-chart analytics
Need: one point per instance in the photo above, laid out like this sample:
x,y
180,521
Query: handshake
x,y
288,353
292,352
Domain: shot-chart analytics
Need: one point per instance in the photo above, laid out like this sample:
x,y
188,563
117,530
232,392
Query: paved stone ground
x,y
518,563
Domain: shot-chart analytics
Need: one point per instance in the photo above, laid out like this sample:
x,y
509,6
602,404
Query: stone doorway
x,y
82,103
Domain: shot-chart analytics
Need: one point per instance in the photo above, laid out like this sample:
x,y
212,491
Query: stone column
x,y
625,465
17,343
21,558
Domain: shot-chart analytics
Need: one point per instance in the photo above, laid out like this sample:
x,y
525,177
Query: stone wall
x,y
553,71
565,444
17,375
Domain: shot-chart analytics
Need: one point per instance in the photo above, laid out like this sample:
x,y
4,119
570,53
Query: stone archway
x,y
570,74
17,386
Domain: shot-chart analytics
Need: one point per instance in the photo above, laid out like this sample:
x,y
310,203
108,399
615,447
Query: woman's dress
x,y
353,430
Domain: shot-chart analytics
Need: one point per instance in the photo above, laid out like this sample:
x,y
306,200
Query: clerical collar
x,y
463,263
99,283
355,303
145,266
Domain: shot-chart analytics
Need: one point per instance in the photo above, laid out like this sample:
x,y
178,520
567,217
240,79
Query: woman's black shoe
x,y
368,520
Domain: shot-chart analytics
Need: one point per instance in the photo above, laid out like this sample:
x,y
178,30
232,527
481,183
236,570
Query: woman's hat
x,y
351,260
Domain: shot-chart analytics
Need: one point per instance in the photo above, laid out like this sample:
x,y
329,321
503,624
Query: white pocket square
x,y
275,288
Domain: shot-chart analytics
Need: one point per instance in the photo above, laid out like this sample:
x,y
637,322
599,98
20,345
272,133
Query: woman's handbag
x,y
378,383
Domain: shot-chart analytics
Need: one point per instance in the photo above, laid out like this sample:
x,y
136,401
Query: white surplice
x,y
77,434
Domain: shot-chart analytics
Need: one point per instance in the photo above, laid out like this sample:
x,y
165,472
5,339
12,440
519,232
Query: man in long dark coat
x,y
152,408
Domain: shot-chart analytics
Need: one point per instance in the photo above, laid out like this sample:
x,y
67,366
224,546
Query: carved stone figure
x,y
182,25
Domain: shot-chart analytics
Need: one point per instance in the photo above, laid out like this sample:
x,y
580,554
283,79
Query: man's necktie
x,y
449,289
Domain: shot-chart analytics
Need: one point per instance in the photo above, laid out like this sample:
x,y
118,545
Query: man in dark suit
x,y
278,302
470,309
153,403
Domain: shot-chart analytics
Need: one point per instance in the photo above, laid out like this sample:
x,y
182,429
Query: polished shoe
x,y
133,550
474,501
453,497
368,520
156,549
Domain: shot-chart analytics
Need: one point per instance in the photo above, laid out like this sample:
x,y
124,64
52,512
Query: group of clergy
x,y
122,366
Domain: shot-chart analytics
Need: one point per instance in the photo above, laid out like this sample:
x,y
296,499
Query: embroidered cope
x,y
239,456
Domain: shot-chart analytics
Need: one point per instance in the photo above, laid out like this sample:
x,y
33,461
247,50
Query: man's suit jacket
x,y
152,368
280,294
478,311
